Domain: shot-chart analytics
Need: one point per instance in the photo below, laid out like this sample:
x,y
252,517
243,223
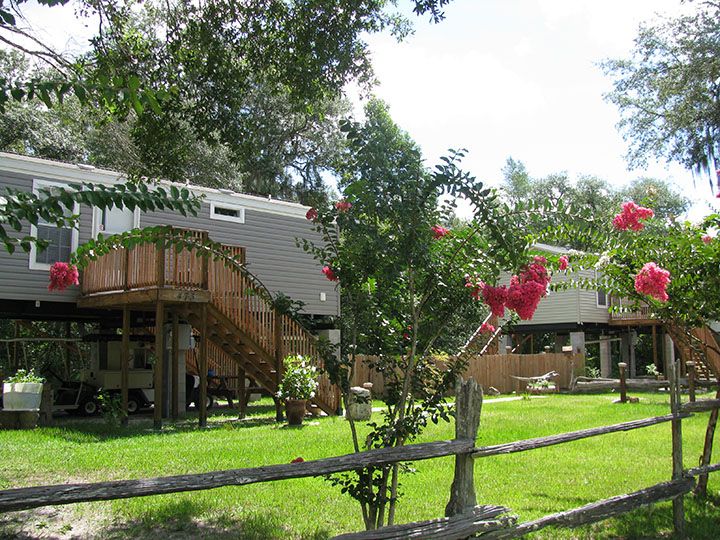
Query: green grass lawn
x,y
532,484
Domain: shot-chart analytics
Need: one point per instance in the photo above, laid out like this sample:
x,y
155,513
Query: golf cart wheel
x,y
89,407
133,406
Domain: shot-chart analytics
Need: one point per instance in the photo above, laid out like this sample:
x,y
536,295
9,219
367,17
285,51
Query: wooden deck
x,y
621,316
237,316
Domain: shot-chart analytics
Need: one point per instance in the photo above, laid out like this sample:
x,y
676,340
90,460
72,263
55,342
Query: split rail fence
x,y
464,517
496,370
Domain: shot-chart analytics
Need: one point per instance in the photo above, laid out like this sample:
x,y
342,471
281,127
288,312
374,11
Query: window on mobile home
x,y
62,240
227,212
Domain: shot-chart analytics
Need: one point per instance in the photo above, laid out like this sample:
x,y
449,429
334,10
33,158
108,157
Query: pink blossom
x,y
539,259
495,298
438,231
329,273
630,217
563,263
297,460
523,297
343,206
707,239
62,275
535,272
312,214
653,281
487,328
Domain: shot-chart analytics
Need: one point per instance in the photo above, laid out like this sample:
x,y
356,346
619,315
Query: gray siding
x,y
269,239
17,280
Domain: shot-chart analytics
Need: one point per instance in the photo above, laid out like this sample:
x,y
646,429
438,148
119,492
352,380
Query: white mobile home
x,y
158,287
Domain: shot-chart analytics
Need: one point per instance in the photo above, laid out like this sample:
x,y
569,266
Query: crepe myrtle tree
x,y
403,276
668,266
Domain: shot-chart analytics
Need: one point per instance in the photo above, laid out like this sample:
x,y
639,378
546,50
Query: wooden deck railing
x,y
619,311
144,266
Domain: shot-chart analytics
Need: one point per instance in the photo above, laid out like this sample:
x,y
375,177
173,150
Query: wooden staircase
x,y
242,321
699,346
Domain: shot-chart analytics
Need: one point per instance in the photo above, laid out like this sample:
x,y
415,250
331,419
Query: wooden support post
x,y
468,403
278,338
623,383
691,379
203,367
159,357
242,402
125,364
677,474
701,489
175,368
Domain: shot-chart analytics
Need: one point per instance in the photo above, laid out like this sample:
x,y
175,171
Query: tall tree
x,y
589,193
668,91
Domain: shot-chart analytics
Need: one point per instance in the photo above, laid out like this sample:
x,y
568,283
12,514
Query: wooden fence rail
x,y
464,517
32,497
600,510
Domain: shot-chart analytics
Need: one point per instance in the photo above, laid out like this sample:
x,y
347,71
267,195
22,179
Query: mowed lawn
x,y
532,484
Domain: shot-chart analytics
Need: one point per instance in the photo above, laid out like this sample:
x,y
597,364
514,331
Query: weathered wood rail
x,y
463,516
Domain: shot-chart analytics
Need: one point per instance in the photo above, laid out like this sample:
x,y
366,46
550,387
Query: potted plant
x,y
299,383
22,391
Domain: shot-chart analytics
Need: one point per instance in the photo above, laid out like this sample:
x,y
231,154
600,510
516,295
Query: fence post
x,y
623,383
677,459
701,488
691,380
468,403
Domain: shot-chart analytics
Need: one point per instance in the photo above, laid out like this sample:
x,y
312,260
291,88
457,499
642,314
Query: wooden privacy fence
x,y
464,517
495,370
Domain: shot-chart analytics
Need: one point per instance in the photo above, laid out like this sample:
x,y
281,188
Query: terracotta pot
x,y
295,411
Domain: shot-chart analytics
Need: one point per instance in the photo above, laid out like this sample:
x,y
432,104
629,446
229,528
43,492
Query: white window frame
x,y
240,218
75,238
97,221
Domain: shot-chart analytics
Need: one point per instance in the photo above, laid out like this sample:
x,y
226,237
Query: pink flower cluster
x,y
522,296
312,214
62,275
438,231
343,206
329,273
563,263
630,217
707,239
487,328
653,281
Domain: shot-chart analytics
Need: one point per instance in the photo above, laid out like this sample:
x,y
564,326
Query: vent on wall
x,y
227,212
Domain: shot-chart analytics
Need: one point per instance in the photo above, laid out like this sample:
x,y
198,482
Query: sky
x,y
501,78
